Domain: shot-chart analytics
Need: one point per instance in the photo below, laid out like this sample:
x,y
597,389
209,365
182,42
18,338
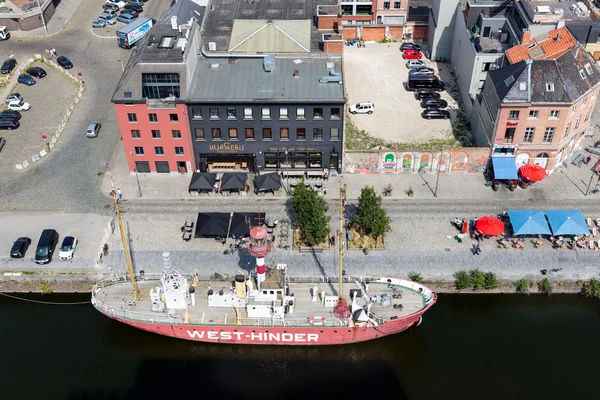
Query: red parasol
x,y
533,172
489,226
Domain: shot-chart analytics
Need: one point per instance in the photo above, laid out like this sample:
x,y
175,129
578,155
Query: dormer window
x,y
532,45
582,74
588,68
549,86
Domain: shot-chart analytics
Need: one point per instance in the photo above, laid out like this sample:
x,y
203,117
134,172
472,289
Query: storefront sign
x,y
226,147
389,161
292,149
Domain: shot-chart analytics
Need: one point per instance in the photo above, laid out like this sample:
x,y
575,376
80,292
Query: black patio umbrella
x,y
212,225
233,181
202,181
267,182
241,222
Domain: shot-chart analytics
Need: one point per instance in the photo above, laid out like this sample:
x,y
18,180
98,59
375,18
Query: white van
x,y
18,105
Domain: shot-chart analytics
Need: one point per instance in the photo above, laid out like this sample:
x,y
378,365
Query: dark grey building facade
x,y
267,114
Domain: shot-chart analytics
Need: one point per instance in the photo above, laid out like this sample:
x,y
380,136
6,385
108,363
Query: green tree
x,y
310,214
462,279
545,286
371,218
522,286
490,280
477,279
592,289
415,277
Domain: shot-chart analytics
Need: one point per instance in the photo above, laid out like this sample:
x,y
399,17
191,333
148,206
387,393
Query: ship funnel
x,y
167,266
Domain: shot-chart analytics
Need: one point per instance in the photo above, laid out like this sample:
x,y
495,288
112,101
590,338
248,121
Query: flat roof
x,y
237,80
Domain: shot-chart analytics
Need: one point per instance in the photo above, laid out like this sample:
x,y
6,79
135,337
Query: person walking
x,y
52,53
120,194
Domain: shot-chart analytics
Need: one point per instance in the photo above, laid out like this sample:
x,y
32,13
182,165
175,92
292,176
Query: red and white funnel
x,y
259,247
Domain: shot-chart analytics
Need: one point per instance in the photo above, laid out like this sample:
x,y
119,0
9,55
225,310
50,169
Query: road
x,y
69,178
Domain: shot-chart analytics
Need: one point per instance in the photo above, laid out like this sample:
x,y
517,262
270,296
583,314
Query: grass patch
x,y
46,289
522,286
415,277
359,139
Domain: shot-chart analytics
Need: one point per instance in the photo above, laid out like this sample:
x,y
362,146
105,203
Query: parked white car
x,y
414,64
18,105
365,107
67,249
118,3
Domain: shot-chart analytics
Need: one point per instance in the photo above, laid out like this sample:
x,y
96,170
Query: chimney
x,y
174,24
296,74
526,36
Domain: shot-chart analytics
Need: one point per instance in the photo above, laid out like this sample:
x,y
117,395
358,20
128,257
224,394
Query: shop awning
x,y
212,225
505,167
567,222
267,182
233,181
202,181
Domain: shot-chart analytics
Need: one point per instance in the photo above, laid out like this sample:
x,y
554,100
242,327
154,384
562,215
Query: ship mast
x,y
341,310
136,292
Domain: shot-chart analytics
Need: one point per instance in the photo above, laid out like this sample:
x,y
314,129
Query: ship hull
x,y
289,336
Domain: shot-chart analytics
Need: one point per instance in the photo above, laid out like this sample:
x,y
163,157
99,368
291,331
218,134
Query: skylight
x,y
509,80
582,74
166,42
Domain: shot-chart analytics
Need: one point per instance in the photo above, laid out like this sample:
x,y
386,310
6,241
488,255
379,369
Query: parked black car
x,y
430,113
426,93
130,12
38,72
133,6
408,45
8,66
20,247
64,62
46,245
434,103
10,114
9,124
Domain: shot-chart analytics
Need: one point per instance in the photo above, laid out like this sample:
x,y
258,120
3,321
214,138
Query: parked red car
x,y
411,54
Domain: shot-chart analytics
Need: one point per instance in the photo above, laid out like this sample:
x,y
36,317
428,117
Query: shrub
x,y
477,279
592,289
216,277
462,280
490,281
522,286
46,289
415,277
544,286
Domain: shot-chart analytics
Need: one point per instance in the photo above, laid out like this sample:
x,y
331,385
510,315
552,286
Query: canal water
x,y
468,347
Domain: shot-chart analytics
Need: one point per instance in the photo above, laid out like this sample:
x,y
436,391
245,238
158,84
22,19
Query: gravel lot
x,y
377,73
43,118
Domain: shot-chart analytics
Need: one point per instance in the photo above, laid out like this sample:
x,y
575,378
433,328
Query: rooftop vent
x,y
296,74
268,63
174,24
549,86
214,65
212,46
335,77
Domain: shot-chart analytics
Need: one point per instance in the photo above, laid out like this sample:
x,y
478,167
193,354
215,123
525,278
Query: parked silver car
x,y
13,97
93,129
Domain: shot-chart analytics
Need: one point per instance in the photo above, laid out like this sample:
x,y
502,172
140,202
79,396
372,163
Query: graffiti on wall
x,y
361,162
464,160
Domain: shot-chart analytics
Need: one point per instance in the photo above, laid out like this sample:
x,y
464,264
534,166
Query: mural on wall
x,y
463,160
361,162
389,163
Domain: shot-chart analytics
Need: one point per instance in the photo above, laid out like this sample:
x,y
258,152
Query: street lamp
x,y
287,174
122,67
42,16
437,180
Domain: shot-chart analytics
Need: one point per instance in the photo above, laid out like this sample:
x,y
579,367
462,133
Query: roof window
x,y
582,74
509,80
549,86
167,42
589,69
532,45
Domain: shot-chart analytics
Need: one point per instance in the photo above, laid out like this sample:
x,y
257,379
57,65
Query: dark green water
x,y
468,347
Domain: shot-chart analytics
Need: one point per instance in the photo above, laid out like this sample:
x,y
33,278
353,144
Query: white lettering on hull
x,y
254,336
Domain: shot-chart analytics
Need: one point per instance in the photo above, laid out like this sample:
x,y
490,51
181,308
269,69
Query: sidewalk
x,y
56,24
564,184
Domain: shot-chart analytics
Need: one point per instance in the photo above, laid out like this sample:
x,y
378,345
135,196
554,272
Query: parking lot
x,y
87,228
49,98
377,73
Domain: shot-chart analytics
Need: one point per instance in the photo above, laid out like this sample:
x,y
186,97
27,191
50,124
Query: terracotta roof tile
x,y
558,42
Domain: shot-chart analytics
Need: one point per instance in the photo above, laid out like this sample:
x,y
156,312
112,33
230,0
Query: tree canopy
x,y
310,214
371,218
